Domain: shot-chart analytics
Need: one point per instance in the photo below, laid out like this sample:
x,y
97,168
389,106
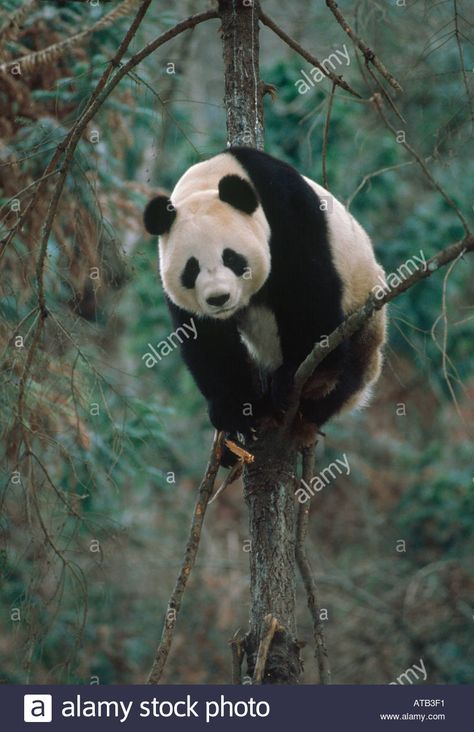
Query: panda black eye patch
x,y
190,273
236,262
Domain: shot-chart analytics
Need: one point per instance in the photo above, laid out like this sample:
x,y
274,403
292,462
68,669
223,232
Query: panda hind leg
x,y
318,411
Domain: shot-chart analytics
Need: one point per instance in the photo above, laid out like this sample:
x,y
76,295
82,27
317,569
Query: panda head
x,y
213,247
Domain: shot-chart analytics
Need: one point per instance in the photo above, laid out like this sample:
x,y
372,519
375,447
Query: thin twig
x,y
368,53
51,54
457,34
270,626
16,331
385,94
378,105
325,137
444,347
363,68
192,546
234,473
169,116
237,657
27,188
320,650
102,91
60,494
239,451
374,174
9,31
25,375
338,80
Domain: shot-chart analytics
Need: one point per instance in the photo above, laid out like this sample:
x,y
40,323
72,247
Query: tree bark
x,y
269,480
269,493
242,95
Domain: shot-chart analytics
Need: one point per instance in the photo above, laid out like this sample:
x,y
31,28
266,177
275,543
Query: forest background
x,y
95,514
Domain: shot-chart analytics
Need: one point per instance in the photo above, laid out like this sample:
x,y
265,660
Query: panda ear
x,y
159,215
239,193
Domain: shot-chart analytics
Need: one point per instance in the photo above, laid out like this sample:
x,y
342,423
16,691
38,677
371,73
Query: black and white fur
x,y
270,262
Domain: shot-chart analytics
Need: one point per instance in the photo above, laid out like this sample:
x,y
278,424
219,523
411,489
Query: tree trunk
x,y
269,493
269,481
242,95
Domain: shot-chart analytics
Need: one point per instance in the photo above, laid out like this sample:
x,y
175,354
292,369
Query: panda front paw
x,y
231,416
239,416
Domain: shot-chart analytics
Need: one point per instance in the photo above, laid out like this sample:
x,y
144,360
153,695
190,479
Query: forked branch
x,y
337,80
369,55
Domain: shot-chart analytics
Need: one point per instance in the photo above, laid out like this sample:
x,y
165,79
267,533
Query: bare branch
x,y
326,136
338,80
192,546
102,91
320,650
374,174
49,55
234,473
25,374
236,647
457,34
378,105
10,30
370,56
352,323
27,188
443,347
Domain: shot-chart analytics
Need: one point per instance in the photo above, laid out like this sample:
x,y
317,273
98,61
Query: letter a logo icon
x,y
38,708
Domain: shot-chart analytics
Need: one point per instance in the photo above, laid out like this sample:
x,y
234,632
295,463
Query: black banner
x,y
331,708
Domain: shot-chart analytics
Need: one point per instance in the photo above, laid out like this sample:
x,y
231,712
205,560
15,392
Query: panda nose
x,y
217,300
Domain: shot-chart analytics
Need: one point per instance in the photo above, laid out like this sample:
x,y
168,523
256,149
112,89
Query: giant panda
x,y
267,263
